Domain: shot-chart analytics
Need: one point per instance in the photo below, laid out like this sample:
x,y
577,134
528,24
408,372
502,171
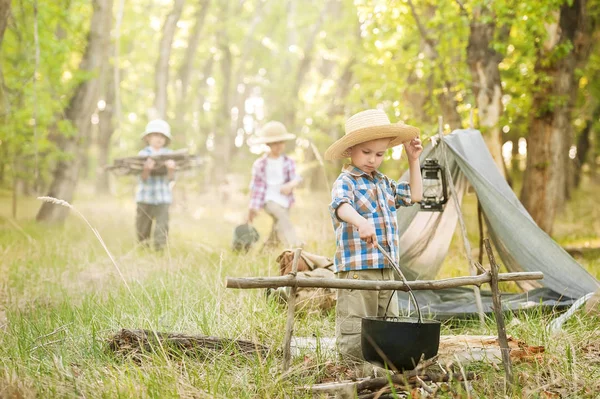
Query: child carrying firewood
x,y
363,211
154,191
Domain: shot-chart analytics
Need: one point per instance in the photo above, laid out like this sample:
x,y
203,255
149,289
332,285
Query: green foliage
x,y
33,103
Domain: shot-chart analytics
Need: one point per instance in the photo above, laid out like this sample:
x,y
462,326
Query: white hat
x,y
158,126
271,132
370,125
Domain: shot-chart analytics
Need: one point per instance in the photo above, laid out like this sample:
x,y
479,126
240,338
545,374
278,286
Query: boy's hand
x,y
252,214
366,230
413,148
170,164
149,164
286,189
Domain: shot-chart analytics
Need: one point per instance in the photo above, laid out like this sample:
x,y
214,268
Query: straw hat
x,y
158,126
271,132
370,125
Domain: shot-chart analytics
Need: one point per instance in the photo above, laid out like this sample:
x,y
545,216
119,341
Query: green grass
x,y
61,298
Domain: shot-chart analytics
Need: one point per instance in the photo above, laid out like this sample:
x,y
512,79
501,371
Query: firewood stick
x,y
289,324
291,281
497,301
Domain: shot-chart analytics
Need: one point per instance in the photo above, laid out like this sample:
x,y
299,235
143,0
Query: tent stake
x,y
289,324
463,229
502,340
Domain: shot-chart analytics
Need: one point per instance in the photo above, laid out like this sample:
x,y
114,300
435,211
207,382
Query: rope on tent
x,y
467,246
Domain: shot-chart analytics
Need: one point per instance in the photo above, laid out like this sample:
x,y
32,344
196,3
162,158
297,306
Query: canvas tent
x,y
522,246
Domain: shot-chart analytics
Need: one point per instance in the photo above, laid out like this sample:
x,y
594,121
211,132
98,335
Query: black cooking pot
x,y
399,342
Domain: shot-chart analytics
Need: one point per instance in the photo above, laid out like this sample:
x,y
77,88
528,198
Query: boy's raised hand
x,y
413,148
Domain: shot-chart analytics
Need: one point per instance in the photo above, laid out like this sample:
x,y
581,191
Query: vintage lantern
x,y
435,192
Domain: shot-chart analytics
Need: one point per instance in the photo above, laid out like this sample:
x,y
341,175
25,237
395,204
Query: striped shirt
x,y
258,184
376,198
154,190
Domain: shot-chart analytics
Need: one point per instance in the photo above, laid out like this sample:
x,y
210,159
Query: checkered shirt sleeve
x,y
341,193
258,184
401,191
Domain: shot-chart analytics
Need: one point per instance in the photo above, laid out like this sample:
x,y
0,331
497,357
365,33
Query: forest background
x,y
79,80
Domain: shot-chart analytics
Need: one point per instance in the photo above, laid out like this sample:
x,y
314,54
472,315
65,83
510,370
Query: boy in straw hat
x,y
273,181
154,194
363,210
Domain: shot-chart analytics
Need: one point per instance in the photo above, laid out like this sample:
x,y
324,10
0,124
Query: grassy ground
x,y
61,298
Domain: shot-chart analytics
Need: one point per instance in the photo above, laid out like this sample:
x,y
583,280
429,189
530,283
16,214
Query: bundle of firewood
x,y
135,165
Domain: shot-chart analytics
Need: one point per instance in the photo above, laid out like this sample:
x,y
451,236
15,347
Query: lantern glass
x,y
434,186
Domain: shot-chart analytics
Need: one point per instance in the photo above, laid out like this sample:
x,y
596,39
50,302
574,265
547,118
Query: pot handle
x,y
399,271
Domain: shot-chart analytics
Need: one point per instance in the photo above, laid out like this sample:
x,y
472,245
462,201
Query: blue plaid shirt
x,y
154,190
375,197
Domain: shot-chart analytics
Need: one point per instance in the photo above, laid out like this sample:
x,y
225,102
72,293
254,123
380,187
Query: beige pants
x,y
353,305
283,230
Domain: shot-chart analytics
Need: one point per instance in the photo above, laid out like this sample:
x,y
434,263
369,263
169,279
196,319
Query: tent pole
x,y
463,229
480,223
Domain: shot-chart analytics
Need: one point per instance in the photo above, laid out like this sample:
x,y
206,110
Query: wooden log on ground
x,y
137,342
291,281
409,379
453,348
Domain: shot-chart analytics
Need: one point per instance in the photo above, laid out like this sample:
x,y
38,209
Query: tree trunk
x,y
289,116
79,111
550,137
446,96
4,14
223,139
483,62
187,66
583,145
164,55
106,128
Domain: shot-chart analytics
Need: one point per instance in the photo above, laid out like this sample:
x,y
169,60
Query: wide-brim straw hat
x,y
158,126
272,132
368,125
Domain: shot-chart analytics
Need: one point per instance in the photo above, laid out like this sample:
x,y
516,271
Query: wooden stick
x,y
407,380
291,281
480,223
289,324
463,229
502,340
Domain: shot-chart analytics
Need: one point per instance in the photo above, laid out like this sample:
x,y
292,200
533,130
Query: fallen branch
x,y
293,281
407,380
134,342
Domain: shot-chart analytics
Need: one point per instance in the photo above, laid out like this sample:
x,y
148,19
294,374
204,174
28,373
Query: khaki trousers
x,y
353,305
283,230
145,215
